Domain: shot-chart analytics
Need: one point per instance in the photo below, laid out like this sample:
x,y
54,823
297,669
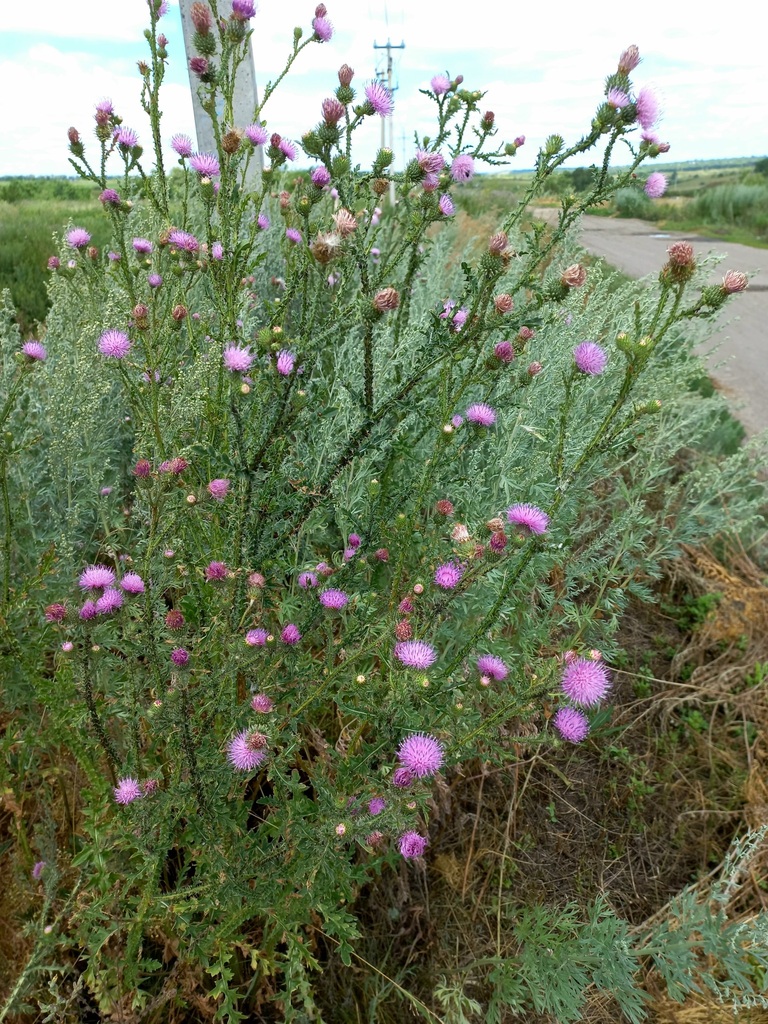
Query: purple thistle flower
x,y
132,583
143,246
323,29
217,251
256,637
246,750
585,682
182,144
215,571
242,10
154,280
504,351
440,85
321,177
105,107
126,137
288,149
262,703
655,185
402,778
109,601
354,540
183,240
445,205
126,791
379,99
219,488
376,806
290,634
307,579
263,222
109,197
285,362
456,421
490,665
237,359
463,167
571,724
256,134
481,414
206,165
411,844
78,238
333,598
35,351
88,611
448,575
180,656
647,106
349,554
54,262
114,344
528,516
617,99
590,358
96,577
55,613
293,235
38,869
421,754
415,654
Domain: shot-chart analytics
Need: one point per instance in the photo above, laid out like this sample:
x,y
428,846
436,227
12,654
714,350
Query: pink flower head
x,y
262,221
528,516
376,806
448,575
78,238
306,580
219,488
256,637
290,634
402,778
440,84
445,205
285,362
333,598
88,611
617,99
184,241
217,251
154,280
415,654
293,235
648,109
332,110
490,665
463,167
481,414
96,577
182,144
504,351
289,149
38,869
114,344
655,185
735,281
216,571
242,10
421,754
34,351
206,165
411,845
67,646
262,703
237,359
380,99
180,656
572,725
55,613
132,583
126,137
629,59
142,246
256,134
585,682
246,750
126,791
109,197
323,29
430,163
320,177
590,358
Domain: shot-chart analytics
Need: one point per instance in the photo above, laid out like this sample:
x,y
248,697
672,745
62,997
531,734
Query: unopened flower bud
x,y
386,300
629,59
498,243
444,507
404,630
346,74
488,118
735,281
525,334
73,135
201,18
379,186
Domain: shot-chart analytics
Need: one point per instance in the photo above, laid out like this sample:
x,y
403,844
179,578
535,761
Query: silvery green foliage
x,y
357,437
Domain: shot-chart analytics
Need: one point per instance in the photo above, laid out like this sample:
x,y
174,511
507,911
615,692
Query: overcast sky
x,y
542,66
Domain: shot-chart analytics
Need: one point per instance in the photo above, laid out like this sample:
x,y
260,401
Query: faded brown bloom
x,y
345,222
326,247
504,303
201,18
230,141
735,281
386,300
444,507
574,276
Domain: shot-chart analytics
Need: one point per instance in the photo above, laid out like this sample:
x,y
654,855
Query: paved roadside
x,y
638,248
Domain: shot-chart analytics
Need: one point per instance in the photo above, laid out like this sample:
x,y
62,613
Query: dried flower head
x,y
574,276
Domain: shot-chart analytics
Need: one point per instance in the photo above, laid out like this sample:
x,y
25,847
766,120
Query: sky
x,y
541,65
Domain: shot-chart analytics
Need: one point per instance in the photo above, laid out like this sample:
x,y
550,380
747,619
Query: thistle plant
x,y
324,512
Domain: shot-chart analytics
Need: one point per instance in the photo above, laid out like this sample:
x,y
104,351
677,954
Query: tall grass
x,y
738,205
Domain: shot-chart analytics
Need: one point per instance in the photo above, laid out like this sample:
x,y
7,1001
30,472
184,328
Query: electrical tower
x,y
389,47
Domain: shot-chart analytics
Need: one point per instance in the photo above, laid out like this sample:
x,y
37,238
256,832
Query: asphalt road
x,y
739,367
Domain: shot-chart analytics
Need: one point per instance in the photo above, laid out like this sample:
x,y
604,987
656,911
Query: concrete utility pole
x,y
244,101
389,47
